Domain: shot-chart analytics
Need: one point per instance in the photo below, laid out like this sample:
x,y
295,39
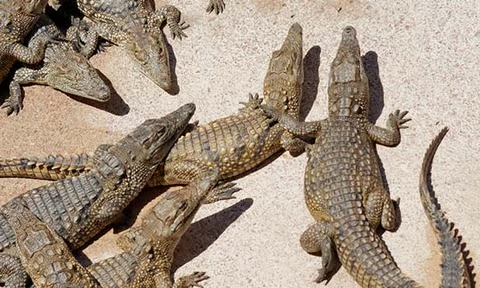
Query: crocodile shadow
x,y
174,89
377,102
204,232
311,62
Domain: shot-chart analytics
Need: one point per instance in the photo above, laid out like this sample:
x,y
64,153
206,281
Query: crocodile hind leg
x,y
317,240
381,210
12,273
24,75
295,146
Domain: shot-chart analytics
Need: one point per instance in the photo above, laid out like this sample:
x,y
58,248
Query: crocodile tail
x,y
46,168
454,266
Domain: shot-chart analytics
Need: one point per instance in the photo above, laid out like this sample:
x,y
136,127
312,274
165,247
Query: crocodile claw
x,y
397,118
223,191
176,30
191,280
216,5
13,105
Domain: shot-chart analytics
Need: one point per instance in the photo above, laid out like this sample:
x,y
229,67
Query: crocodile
x,y
136,27
148,249
44,254
344,190
17,18
79,208
235,143
151,246
75,76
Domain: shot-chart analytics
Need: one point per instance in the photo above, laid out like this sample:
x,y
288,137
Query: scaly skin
x,y
235,143
44,255
75,76
47,168
81,207
343,188
454,269
154,242
17,18
135,26
149,249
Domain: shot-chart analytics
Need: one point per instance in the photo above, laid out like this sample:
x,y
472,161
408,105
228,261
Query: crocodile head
x,y
348,83
172,216
72,73
149,50
283,82
157,136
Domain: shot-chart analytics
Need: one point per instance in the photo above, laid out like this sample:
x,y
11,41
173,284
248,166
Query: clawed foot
x,y
191,280
13,105
54,37
254,102
176,29
397,118
322,276
271,112
216,5
326,272
223,191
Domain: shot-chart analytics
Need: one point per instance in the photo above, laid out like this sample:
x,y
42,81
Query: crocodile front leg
x,y
291,124
24,75
389,136
171,15
216,6
31,54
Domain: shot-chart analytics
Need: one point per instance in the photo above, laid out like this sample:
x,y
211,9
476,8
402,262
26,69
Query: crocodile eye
x,y
182,205
357,109
140,55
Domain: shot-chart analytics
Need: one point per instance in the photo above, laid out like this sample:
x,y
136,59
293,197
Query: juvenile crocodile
x,y
17,18
149,248
135,26
235,143
43,253
79,208
343,187
75,76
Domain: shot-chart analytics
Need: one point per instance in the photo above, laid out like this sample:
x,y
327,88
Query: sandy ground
x,y
427,54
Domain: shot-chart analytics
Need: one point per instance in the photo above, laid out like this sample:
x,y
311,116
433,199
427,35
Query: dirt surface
x,y
422,56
